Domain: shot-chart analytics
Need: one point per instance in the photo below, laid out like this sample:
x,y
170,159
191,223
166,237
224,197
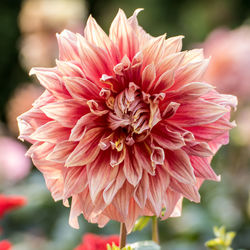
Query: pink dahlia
x,y
230,61
96,242
125,127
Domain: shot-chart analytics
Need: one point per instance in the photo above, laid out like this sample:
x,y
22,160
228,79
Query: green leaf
x,y
141,223
222,241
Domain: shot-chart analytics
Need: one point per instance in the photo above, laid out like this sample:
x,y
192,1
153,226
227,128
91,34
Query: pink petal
x,y
171,198
173,45
198,113
75,181
148,77
100,174
187,190
50,79
179,167
65,112
95,35
61,151
87,149
142,156
114,186
201,149
81,89
122,34
166,138
121,200
93,60
69,69
202,168
67,46
131,169
191,72
141,191
51,132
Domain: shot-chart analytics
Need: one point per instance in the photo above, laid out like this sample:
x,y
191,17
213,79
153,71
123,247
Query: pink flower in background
x,y
230,61
38,45
14,166
126,126
95,242
20,102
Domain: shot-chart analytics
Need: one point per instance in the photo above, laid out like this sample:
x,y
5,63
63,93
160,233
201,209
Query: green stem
x,y
155,234
123,236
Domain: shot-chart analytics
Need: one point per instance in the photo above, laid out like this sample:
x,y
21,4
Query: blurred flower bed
x,y
28,39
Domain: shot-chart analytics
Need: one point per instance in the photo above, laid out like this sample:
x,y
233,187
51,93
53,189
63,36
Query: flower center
x,y
133,112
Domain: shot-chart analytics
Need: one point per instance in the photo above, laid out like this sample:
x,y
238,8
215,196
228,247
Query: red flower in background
x,y
5,245
95,242
8,203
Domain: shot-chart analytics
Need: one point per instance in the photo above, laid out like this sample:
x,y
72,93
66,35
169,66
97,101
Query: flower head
x,y
125,127
95,242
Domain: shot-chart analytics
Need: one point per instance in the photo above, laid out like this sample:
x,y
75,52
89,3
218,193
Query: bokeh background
x,y
27,39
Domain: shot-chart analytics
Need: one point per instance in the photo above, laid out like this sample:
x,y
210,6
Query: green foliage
x,y
222,241
114,247
141,223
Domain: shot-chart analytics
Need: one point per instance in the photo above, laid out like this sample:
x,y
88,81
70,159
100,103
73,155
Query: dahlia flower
x,y
230,61
96,242
126,126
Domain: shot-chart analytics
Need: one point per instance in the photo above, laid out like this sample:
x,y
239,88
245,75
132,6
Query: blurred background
x,y
27,39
